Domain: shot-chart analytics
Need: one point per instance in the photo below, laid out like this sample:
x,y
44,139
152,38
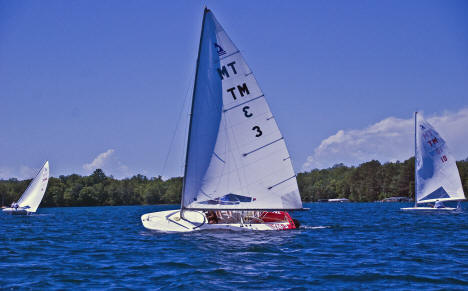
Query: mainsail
x,y
32,197
437,176
236,155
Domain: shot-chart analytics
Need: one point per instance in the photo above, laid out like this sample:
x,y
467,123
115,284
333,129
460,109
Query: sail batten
x,y
437,176
263,146
235,153
243,103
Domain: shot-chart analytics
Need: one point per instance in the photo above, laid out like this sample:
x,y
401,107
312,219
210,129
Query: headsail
x,y
32,197
236,155
437,176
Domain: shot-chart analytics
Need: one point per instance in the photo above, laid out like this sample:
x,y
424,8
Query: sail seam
x,y
203,192
243,103
271,187
246,154
236,52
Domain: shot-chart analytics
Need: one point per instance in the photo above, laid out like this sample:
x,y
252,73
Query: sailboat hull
x,y
15,211
429,209
171,221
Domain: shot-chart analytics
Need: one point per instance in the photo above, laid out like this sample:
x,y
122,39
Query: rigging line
x,y
246,154
240,104
271,187
20,200
179,120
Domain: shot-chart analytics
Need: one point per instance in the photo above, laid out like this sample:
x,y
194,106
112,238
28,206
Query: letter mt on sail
x,y
237,159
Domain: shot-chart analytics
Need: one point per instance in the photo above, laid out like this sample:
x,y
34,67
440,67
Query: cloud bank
x,y
390,139
109,163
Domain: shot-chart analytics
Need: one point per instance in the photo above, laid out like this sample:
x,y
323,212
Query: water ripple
x,y
339,246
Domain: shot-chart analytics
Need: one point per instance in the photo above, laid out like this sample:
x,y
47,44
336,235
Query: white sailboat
x,y
32,197
436,174
238,173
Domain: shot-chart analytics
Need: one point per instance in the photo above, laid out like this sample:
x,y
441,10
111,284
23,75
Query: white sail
x,y
437,176
236,155
32,197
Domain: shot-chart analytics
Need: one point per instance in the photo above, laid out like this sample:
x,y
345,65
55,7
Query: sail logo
x,y
219,49
427,135
433,141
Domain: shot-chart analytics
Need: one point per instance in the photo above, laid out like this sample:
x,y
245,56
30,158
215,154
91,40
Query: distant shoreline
x,y
368,182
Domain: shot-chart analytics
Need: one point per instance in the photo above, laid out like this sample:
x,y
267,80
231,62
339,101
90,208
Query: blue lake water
x,y
339,246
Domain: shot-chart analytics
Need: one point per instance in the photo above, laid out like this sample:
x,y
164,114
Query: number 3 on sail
x,y
237,168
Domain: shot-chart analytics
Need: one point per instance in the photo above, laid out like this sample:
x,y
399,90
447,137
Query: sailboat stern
x,y
15,211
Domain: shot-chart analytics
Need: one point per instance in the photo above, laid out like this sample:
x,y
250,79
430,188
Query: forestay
x,y
236,155
437,176
32,197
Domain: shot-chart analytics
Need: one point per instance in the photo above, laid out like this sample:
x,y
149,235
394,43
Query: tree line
x,y
369,181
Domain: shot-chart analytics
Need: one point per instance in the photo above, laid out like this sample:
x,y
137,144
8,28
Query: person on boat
x,y
297,224
212,217
14,205
439,204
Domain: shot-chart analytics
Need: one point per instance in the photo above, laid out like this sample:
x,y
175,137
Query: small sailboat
x,y
436,174
32,197
238,173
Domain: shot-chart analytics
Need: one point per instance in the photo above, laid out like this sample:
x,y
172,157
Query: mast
x,y
206,10
415,163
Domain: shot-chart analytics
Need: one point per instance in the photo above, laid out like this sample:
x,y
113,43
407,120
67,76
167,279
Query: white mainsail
x,y
32,197
236,155
437,176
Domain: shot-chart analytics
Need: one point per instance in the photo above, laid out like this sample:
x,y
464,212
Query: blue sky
x,y
88,84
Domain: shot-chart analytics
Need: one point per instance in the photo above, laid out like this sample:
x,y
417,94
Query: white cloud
x,y
99,161
390,139
109,163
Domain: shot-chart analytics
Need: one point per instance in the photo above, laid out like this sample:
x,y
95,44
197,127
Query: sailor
x,y
297,224
212,218
439,204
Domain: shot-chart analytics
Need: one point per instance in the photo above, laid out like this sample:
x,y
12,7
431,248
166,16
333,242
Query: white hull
x,y
429,209
170,221
15,211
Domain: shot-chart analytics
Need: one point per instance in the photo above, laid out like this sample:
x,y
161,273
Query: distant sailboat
x,y
436,174
32,197
237,166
